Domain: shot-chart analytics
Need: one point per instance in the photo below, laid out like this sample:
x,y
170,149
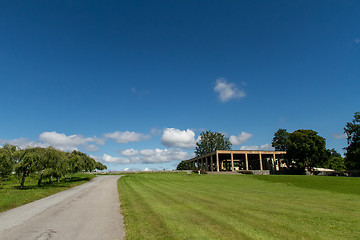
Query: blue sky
x,y
133,83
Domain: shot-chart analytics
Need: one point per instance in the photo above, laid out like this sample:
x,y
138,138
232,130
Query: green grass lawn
x,y
181,206
11,196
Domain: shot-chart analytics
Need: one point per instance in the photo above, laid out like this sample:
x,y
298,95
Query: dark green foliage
x,y
44,163
6,163
100,166
27,163
306,149
334,160
280,139
352,156
183,166
211,141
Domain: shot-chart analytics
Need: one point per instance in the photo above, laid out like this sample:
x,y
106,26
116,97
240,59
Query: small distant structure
x,y
237,160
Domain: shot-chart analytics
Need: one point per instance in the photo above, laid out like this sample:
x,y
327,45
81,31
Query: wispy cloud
x,y
228,91
139,92
266,146
357,40
339,135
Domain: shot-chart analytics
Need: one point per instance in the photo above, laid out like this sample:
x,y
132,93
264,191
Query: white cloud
x,y
129,152
357,41
147,156
126,137
241,138
68,143
173,137
163,155
228,91
266,146
339,135
60,139
109,159
57,140
22,143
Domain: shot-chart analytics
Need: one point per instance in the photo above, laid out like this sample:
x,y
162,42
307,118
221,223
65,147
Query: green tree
x,y
280,140
183,166
100,166
352,155
27,163
56,164
6,162
41,164
334,160
211,141
306,149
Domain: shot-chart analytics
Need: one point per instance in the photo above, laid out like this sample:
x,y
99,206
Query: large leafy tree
x,y
352,155
335,160
182,166
6,161
280,139
44,162
54,165
100,166
27,163
211,141
306,149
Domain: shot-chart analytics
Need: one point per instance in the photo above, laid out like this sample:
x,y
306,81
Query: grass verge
x,y
11,196
181,206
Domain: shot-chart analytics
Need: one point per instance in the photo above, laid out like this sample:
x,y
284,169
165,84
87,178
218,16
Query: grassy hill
x,y
181,206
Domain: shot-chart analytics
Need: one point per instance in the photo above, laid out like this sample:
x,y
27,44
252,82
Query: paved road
x,y
89,211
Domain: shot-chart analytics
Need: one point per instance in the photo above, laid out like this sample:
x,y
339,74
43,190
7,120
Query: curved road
x,y
88,211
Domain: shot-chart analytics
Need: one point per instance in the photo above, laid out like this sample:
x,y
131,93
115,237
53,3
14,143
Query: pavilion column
x,y
278,163
217,162
246,161
274,160
232,162
198,163
206,164
261,166
211,163
202,163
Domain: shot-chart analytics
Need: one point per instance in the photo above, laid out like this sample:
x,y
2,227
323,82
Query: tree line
x,y
305,149
47,162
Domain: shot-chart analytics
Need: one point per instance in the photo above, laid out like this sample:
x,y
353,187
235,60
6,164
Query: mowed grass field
x,y
12,196
181,206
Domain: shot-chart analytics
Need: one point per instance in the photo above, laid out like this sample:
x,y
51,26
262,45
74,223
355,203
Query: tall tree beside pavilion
x,y
211,141
352,155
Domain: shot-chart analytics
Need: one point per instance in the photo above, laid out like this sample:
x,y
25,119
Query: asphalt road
x,y
89,211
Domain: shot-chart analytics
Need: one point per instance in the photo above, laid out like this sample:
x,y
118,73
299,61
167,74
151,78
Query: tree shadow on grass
x,y
47,185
